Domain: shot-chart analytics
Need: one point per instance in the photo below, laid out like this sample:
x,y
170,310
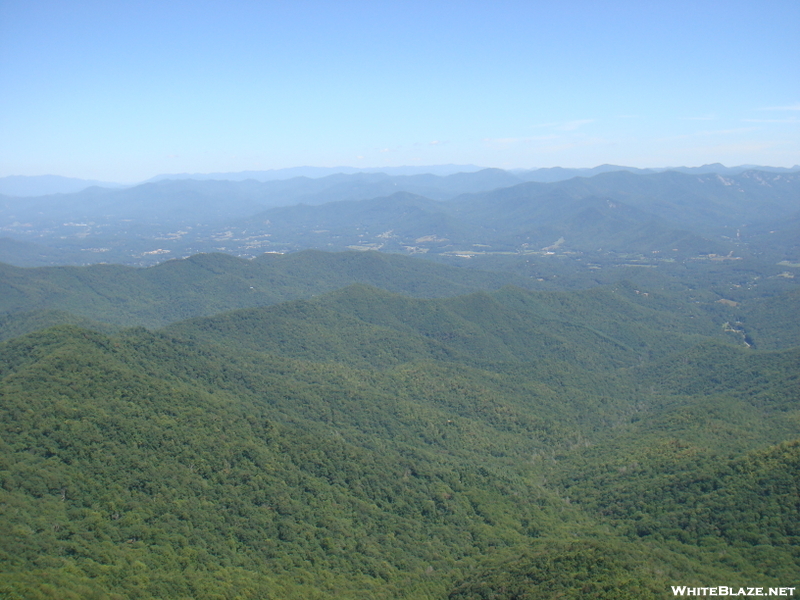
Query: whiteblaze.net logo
x,y
722,590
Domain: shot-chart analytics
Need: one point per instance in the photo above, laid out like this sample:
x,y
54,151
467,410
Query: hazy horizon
x,y
323,171
123,93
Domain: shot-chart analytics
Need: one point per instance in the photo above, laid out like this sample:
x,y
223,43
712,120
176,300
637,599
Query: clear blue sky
x,y
121,90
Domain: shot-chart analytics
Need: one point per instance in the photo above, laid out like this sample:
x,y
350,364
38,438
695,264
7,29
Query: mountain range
x,y
40,185
481,213
605,443
442,387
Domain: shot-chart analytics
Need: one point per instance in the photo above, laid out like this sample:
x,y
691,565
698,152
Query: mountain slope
x,y
235,474
208,284
367,444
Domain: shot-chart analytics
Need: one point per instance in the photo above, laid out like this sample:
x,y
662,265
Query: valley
x,y
653,217
578,389
392,301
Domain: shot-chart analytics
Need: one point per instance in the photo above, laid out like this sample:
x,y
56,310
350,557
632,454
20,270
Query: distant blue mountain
x,y
318,172
544,175
42,185
553,174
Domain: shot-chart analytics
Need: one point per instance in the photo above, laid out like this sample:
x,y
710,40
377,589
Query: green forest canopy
x,y
363,443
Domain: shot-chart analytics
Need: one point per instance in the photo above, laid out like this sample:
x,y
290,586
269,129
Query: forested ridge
x,y
206,284
363,443
500,442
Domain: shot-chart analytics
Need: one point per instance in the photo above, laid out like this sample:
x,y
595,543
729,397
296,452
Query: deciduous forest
x,y
566,423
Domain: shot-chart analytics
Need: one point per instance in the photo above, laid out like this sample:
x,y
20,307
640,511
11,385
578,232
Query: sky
x,y
121,90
